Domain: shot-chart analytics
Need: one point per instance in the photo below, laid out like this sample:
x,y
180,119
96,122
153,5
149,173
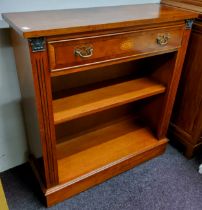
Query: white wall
x,y
13,146
12,138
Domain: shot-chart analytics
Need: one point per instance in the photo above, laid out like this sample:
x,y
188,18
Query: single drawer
x,y
72,53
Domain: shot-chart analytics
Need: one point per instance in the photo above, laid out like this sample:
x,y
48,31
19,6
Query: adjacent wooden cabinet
x,y
186,123
98,86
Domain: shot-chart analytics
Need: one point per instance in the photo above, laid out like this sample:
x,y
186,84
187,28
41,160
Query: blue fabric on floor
x,y
168,182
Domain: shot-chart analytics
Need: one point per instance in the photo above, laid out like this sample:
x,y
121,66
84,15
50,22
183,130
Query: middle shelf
x,y
89,102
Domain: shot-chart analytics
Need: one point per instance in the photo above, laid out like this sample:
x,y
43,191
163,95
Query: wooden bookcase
x,y
97,91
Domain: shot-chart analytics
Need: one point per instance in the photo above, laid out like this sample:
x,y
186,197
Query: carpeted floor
x,y
169,182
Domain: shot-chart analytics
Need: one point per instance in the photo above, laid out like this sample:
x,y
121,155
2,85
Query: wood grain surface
x,y
111,141
104,98
192,5
55,22
102,147
186,126
119,45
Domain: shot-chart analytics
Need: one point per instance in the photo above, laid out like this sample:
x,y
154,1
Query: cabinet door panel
x,y
188,104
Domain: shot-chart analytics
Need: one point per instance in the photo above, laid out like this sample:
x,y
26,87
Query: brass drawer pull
x,y
84,52
163,39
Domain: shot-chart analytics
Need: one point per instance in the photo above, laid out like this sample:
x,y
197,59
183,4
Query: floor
x,y
169,182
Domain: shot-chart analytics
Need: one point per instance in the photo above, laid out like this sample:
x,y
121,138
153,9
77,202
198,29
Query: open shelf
x,y
103,148
92,101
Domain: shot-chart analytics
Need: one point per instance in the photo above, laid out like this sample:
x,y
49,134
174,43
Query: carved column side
x,y
42,83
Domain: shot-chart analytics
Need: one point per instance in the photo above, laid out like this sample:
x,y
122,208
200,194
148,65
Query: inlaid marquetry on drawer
x,y
78,52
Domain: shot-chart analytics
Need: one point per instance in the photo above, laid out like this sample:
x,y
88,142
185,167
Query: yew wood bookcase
x,y
98,87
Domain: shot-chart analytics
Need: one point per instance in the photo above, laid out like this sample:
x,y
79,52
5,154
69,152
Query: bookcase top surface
x,y
57,22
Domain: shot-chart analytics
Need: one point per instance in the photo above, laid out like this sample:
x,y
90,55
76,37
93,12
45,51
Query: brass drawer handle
x,y
84,52
163,39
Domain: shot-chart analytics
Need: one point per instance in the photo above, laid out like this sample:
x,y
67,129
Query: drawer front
x,y
79,52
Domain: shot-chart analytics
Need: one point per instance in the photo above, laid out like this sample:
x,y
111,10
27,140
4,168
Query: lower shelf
x,y
106,147
98,155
